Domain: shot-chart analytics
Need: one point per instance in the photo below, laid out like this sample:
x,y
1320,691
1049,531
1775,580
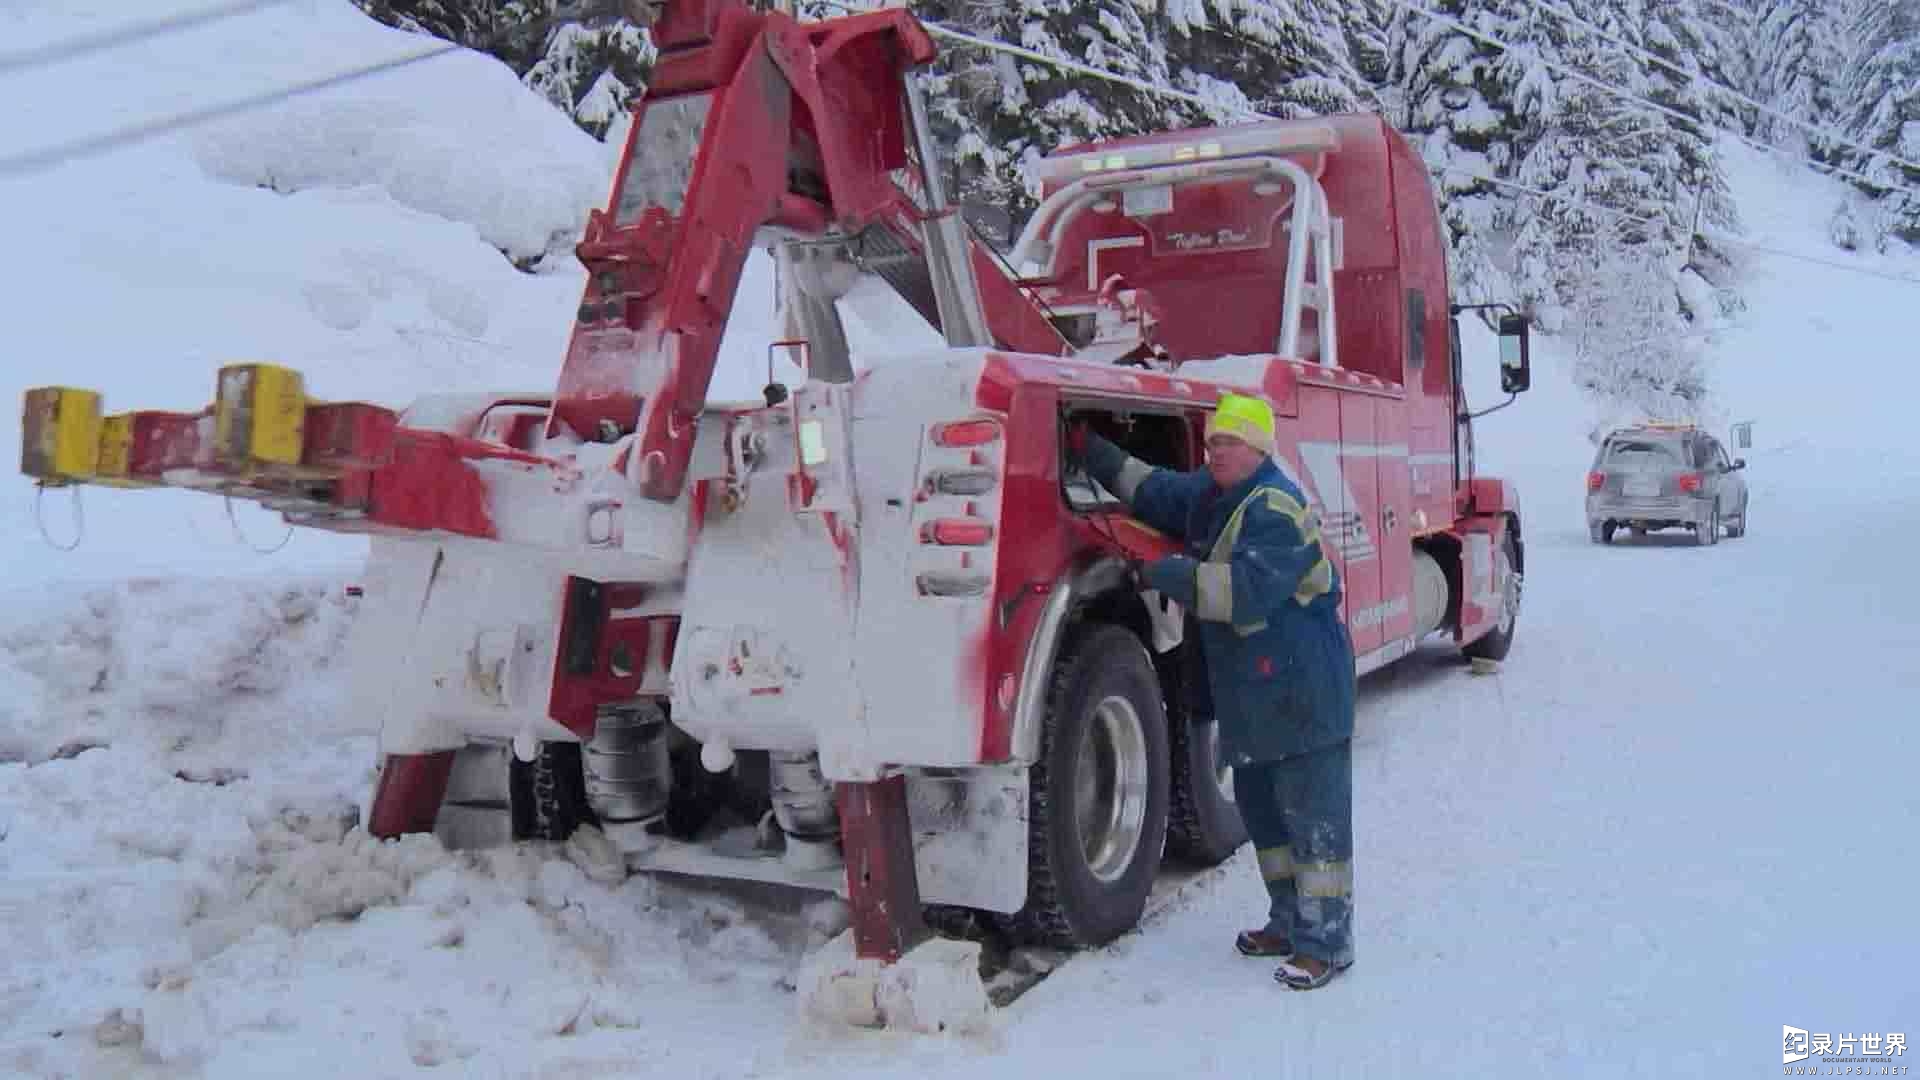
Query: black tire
x,y
1204,828
1069,905
1708,535
1496,643
549,793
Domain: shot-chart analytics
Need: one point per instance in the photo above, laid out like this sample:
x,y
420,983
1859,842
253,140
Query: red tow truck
x,y
847,637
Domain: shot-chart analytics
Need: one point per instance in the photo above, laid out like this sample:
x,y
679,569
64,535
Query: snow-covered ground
x,y
1683,815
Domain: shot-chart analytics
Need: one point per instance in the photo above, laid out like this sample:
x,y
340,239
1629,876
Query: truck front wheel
x,y
1097,818
1495,644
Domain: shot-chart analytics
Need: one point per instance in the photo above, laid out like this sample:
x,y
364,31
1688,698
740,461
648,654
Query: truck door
x,y
1314,466
1395,473
1353,515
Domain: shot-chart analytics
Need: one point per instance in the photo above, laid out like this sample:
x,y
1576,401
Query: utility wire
x,y
32,161
1576,203
86,44
586,11
1817,261
1725,241
1695,77
1581,76
23,163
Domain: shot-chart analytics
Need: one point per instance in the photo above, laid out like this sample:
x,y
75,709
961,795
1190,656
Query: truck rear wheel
x,y
549,793
1097,817
1205,826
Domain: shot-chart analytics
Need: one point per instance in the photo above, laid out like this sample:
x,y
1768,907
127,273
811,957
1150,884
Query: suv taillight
x,y
1596,481
1689,482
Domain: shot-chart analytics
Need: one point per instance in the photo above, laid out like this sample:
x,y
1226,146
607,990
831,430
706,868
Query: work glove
x,y
1170,576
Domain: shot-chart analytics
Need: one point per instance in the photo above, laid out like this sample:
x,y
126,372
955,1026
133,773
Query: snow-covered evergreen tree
x,y
1470,108
1876,104
1793,67
1618,153
1720,44
590,73
1629,356
995,114
1681,54
1278,57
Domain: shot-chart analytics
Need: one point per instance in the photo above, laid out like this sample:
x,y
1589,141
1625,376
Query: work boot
x,y
1308,972
1260,943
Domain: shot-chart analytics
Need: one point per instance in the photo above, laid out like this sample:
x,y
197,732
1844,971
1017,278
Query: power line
x,y
29,162
1580,204
585,11
1581,76
1817,261
1695,77
1725,241
1147,87
938,30
40,159
85,44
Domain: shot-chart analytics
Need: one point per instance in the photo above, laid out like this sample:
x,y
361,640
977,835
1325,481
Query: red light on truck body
x,y
957,532
966,433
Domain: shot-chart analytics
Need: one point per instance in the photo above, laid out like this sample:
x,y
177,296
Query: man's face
x,y
1231,460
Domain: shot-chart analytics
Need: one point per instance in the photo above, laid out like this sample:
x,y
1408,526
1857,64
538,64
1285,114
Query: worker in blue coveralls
x,y
1279,666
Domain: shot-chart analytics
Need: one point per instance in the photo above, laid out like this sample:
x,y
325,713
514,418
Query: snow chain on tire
x,y
555,791
1067,907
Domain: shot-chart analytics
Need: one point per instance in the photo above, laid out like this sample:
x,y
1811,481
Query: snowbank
x,y
221,666
187,885
226,930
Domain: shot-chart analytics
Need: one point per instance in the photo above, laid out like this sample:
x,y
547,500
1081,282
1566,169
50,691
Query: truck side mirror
x,y
1743,435
1516,373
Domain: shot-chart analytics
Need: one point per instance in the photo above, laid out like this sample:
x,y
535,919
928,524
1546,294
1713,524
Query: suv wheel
x,y
1708,532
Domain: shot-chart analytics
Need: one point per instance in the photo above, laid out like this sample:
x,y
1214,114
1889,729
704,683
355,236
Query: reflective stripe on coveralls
x,y
1213,579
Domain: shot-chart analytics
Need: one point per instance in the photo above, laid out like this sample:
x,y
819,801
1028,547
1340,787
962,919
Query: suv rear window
x,y
1644,452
